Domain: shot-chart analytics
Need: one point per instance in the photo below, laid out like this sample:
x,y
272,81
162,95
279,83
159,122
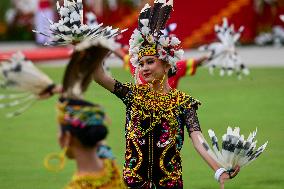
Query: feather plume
x,y
22,83
21,75
170,28
235,150
144,14
155,14
92,44
70,29
164,15
223,54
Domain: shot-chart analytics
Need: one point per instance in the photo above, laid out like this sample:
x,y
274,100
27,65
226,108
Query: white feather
x,y
170,2
164,41
145,22
175,41
223,54
237,151
179,54
24,75
146,6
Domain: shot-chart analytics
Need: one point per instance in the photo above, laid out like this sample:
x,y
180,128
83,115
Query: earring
x,y
55,161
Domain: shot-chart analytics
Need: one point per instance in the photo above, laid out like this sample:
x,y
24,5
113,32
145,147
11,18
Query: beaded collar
x,y
93,180
151,100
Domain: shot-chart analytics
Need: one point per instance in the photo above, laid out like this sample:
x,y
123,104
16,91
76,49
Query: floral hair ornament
x,y
148,39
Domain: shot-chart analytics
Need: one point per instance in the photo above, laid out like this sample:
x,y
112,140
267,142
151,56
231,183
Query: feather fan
x,y
22,82
234,149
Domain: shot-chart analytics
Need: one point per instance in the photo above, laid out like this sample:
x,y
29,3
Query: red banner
x,y
196,19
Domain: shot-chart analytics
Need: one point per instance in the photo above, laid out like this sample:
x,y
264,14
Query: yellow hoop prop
x,y
55,156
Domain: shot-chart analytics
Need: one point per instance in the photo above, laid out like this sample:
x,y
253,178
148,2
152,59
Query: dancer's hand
x,y
225,176
55,89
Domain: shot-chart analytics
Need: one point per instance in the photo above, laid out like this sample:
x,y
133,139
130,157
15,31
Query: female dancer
x,y
156,113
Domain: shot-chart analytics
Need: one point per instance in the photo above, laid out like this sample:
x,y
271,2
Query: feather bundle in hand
x,y
223,54
234,150
24,80
93,43
70,29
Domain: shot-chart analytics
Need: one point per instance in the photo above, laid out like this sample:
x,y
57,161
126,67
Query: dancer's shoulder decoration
x,y
148,39
92,42
234,150
22,82
223,54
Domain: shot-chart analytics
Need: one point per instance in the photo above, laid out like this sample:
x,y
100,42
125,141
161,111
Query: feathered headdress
x,y
20,75
148,38
234,150
93,43
223,54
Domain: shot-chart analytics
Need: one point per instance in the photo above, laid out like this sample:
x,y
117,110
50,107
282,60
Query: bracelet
x,y
230,173
218,173
48,89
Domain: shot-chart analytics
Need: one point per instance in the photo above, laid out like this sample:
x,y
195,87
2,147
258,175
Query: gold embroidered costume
x,y
155,128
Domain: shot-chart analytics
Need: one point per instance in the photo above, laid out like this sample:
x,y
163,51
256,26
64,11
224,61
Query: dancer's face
x,y
151,68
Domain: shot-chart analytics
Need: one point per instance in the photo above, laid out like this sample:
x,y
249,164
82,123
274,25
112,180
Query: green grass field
x,y
255,101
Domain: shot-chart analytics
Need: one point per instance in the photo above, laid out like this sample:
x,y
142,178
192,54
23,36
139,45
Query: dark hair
x,y
172,72
89,135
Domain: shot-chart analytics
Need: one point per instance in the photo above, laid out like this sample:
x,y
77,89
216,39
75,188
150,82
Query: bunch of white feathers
x,y
22,82
234,150
70,29
223,54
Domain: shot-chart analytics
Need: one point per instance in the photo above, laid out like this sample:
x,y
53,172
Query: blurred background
x,y
254,101
195,19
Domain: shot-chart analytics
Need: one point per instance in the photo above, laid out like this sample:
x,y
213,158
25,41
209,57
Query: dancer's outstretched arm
x,y
103,79
209,160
